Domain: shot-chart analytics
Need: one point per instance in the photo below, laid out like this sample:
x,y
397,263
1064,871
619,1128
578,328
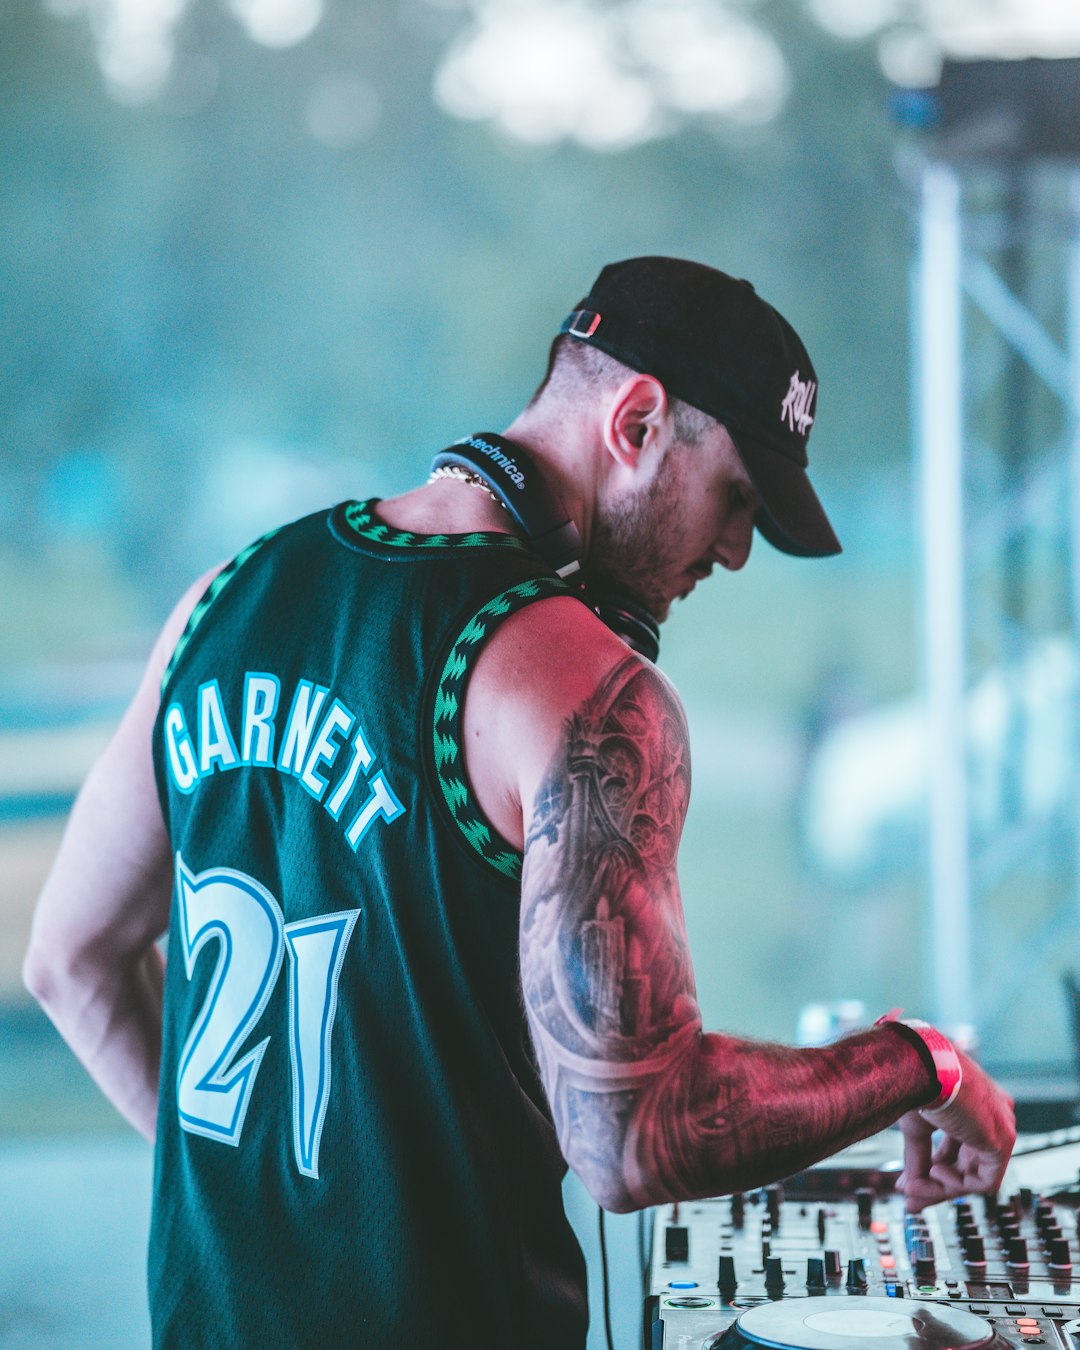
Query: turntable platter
x,y
851,1324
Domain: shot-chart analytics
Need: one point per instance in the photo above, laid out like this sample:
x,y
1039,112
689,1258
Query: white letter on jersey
x,y
361,759
338,721
181,753
215,739
382,802
261,693
303,715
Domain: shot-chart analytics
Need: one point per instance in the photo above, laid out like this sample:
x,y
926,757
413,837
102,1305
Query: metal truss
x,y
996,308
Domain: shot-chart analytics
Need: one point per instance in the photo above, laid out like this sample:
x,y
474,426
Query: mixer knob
x,y
856,1276
1018,1254
1044,1212
774,1196
1009,1230
1051,1232
815,1273
833,1266
1026,1197
925,1264
738,1209
1060,1258
726,1276
864,1199
990,1205
821,1225
774,1275
974,1251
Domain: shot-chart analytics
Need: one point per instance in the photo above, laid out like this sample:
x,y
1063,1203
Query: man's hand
x,y
979,1130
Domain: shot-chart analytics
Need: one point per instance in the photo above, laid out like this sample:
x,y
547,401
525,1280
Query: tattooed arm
x,y
648,1107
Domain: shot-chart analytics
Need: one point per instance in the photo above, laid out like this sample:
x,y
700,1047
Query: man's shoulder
x,y
545,670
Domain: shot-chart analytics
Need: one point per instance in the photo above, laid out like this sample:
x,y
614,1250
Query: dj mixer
x,y
832,1261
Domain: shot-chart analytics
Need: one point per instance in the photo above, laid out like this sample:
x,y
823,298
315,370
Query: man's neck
x,y
447,506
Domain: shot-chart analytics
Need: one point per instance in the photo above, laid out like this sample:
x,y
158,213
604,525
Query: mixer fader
x,y
840,1271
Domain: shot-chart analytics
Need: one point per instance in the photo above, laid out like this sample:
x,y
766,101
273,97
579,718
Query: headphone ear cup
x,y
627,619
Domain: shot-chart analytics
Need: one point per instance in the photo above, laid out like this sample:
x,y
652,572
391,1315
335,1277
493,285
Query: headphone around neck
x,y
515,479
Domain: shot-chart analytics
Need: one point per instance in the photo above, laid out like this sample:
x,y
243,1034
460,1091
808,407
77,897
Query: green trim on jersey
x,y
449,711
360,519
207,599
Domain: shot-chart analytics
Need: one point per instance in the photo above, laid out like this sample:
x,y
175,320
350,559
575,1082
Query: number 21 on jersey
x,y
245,921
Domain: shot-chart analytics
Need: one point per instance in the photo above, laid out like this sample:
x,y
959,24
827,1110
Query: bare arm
x,y
647,1105
92,962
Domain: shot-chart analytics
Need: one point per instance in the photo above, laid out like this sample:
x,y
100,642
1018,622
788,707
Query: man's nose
x,y
734,549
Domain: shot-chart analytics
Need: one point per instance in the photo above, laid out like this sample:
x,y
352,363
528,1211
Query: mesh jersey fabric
x,y
354,1147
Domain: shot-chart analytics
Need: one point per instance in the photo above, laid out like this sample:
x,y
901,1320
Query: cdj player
x,y
832,1261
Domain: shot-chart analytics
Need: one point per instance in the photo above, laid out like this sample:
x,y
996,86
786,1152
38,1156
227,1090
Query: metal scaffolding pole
x,y
938,304
1073,339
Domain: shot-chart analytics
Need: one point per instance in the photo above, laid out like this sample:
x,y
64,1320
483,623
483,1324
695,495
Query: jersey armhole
x,y
202,607
443,732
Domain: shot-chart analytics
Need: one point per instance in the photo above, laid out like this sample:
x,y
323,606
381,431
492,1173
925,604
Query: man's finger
x,y
917,1154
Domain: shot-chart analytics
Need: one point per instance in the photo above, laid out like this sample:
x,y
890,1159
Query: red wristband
x,y
946,1061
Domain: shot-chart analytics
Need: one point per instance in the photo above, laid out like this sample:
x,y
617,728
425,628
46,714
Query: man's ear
x,y
635,416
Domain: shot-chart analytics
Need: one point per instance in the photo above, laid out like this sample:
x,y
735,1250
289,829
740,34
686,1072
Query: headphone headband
x,y
515,479
513,476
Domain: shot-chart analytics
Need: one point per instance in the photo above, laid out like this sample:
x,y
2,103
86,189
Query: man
x,y
418,824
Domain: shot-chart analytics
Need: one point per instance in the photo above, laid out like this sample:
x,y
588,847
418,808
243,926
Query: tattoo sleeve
x,y
647,1107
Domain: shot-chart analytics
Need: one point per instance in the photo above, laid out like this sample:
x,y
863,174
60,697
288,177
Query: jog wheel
x,y
858,1324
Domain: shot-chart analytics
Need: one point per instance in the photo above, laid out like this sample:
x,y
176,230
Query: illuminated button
x,y
682,1284
1028,1322
878,1227
888,1263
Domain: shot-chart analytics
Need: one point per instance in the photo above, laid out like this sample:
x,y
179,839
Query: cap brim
x,y
791,518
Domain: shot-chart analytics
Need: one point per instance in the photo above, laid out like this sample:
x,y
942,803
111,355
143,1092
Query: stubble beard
x,y
634,546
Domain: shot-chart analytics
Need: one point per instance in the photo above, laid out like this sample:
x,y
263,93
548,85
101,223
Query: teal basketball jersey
x,y
354,1147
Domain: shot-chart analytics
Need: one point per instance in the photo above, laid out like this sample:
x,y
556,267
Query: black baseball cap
x,y
713,342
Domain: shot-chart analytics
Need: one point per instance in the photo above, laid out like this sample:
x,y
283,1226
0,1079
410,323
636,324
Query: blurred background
x,y
260,255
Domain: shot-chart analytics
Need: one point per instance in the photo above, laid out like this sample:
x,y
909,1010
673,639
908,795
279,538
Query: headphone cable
x,y
604,1275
